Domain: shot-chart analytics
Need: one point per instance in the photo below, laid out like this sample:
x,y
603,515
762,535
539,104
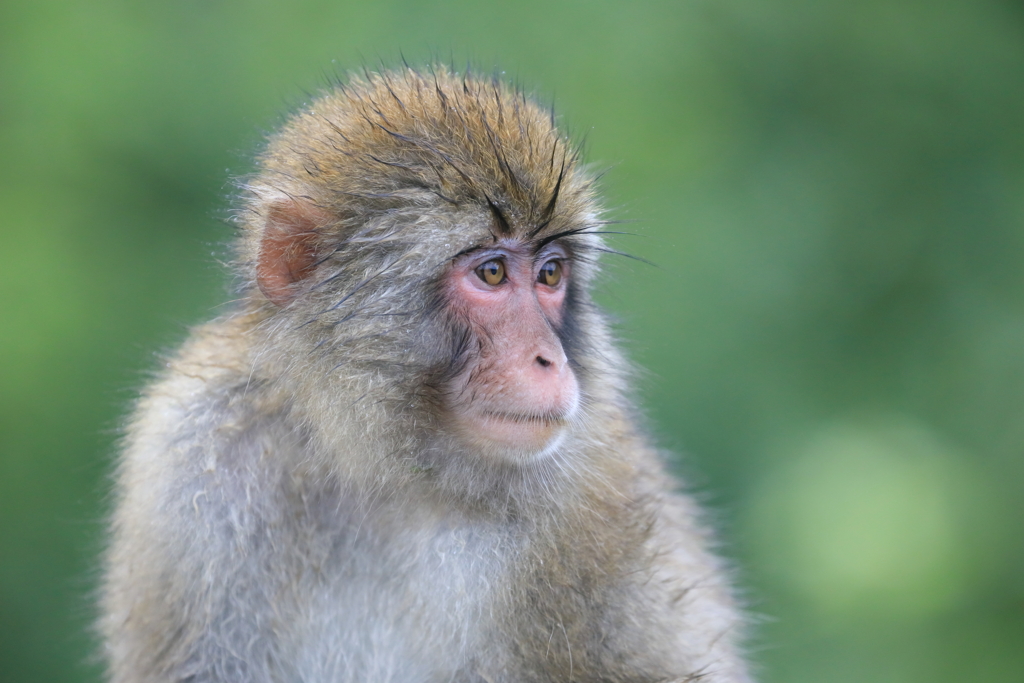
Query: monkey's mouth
x,y
538,419
516,434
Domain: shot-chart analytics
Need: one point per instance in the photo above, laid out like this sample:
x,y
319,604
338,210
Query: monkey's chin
x,y
514,437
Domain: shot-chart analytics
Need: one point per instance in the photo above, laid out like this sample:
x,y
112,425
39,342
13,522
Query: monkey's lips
x,y
520,432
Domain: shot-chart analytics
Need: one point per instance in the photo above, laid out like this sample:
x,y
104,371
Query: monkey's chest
x,y
406,605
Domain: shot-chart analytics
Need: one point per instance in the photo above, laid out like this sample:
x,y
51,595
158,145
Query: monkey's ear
x,y
288,248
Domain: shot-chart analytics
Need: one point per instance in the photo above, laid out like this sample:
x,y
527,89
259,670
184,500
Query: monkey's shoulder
x,y
208,383
204,429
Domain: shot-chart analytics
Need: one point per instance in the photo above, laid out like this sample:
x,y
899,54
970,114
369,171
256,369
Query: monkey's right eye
x,y
492,272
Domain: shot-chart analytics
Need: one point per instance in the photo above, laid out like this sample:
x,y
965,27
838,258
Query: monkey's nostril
x,y
544,362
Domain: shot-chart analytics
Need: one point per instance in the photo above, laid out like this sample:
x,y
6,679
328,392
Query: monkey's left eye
x,y
492,272
550,273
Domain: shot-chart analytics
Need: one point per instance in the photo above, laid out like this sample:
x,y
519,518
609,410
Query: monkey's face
x,y
515,393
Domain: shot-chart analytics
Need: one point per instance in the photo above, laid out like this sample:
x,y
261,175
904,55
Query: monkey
x,y
408,450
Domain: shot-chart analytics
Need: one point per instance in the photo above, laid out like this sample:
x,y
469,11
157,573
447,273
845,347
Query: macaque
x,y
408,452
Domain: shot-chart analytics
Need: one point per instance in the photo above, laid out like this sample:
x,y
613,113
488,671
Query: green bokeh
x,y
833,193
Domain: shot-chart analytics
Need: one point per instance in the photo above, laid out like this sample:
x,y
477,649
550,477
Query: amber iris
x,y
492,272
550,273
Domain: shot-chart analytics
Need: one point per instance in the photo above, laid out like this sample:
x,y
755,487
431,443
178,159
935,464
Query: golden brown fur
x,y
292,504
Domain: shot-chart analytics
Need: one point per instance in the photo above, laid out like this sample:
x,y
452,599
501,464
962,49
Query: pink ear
x,y
288,250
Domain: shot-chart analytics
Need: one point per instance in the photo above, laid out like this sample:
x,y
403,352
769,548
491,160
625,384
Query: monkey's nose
x,y
548,360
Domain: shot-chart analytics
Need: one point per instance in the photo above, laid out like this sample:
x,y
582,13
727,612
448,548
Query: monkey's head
x,y
426,242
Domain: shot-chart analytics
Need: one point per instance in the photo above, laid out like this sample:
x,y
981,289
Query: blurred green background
x,y
833,193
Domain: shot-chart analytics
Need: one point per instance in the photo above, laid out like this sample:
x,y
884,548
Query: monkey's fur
x,y
292,504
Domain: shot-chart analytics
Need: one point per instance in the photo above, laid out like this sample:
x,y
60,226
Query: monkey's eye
x,y
492,272
550,273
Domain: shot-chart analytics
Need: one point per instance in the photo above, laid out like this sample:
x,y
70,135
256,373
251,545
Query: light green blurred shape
x,y
872,516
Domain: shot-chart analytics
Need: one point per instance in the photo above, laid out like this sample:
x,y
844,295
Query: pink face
x,y
516,395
